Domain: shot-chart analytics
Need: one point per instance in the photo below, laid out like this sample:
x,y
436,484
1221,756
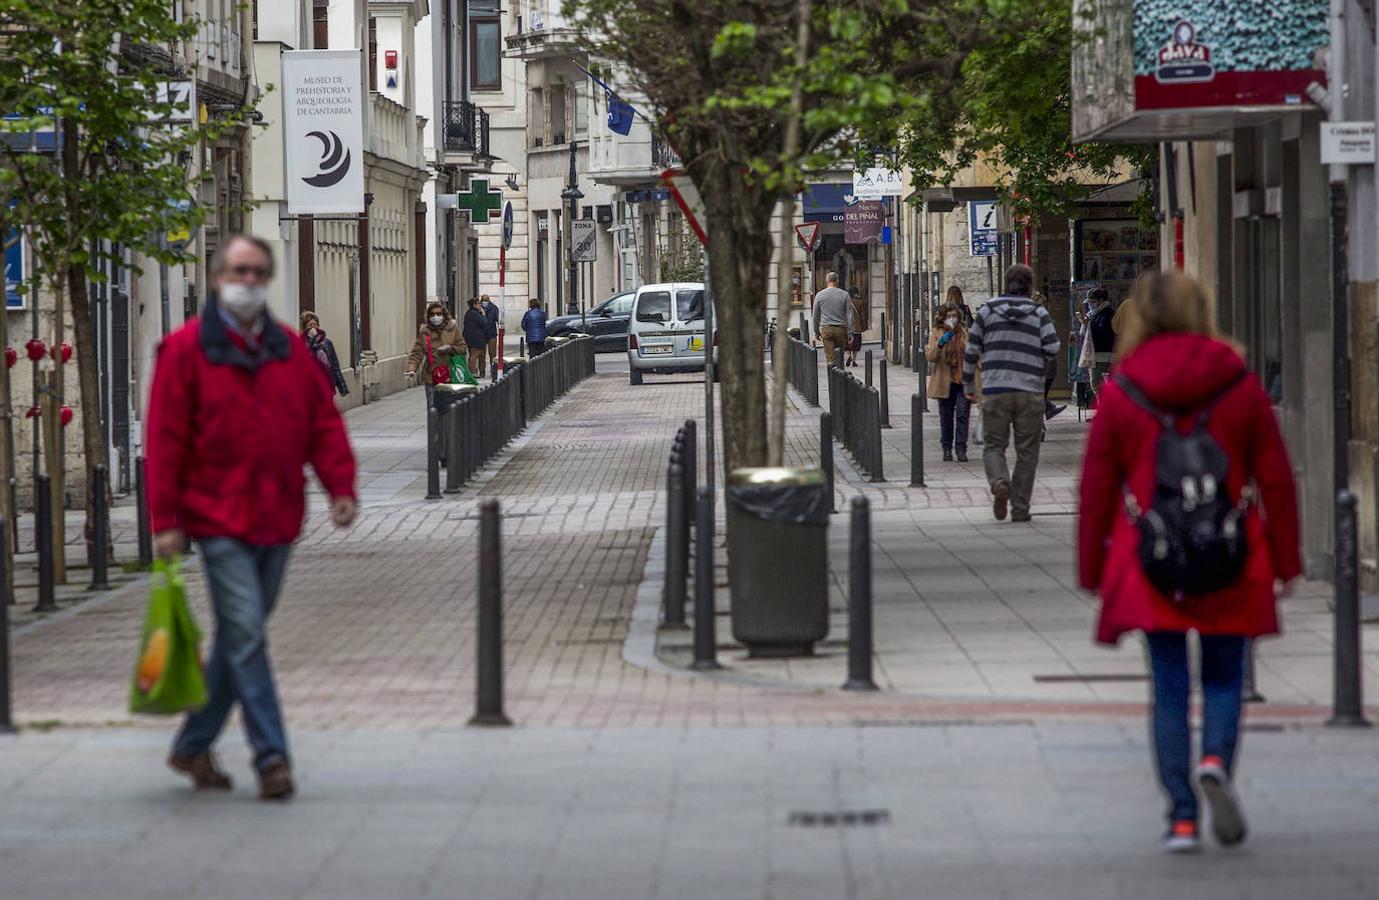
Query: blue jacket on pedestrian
x,y
534,324
475,328
491,319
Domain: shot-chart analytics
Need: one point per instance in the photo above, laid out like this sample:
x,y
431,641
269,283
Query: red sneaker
x,y
1182,837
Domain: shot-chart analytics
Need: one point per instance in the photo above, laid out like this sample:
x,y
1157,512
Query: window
x,y
557,131
485,53
373,53
690,305
621,305
320,25
654,306
581,101
537,126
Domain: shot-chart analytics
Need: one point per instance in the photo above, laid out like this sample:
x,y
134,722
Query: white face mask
x,y
244,301
951,323
437,321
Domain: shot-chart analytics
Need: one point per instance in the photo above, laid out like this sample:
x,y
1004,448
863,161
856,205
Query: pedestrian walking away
x,y
833,317
1012,339
438,339
491,316
946,349
475,332
534,326
1188,520
323,349
860,322
237,409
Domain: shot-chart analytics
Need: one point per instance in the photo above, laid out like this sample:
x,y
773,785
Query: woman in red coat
x,y
1171,354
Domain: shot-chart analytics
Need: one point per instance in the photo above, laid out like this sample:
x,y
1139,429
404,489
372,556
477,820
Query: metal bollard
x,y
521,345
433,454
885,398
677,565
868,359
454,444
916,442
6,717
1249,692
826,455
859,599
43,537
691,480
1348,711
141,501
873,425
705,639
100,533
489,652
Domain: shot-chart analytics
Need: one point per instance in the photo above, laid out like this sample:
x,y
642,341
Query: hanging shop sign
x,y
877,184
863,222
323,131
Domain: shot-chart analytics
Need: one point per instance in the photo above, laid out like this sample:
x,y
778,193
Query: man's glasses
x,y
241,271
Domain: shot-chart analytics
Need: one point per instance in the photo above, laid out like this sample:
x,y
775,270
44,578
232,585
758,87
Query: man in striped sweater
x,y
1012,338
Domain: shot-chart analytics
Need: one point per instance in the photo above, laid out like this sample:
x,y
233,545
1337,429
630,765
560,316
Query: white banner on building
x,y
323,131
877,184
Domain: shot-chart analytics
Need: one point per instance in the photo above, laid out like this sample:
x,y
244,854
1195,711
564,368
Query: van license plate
x,y
656,350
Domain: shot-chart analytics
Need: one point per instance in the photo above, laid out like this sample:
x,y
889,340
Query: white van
x,y
666,333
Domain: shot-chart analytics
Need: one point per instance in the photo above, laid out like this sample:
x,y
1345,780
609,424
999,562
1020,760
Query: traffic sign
x,y
507,225
583,241
687,197
807,234
981,231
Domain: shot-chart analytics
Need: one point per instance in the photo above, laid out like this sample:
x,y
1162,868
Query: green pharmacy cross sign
x,y
480,201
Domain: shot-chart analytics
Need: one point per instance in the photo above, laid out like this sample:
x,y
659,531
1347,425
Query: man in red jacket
x,y
238,408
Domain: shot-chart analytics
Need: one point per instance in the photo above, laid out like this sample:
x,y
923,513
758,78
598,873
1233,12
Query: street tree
x,y
90,71
728,77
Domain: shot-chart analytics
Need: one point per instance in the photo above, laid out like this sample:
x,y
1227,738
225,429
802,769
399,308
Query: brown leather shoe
x,y
275,781
202,770
1000,497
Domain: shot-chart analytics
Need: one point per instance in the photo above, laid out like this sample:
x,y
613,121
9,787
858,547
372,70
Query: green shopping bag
x,y
168,678
459,371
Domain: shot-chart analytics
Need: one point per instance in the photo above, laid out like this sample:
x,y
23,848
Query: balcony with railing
x,y
631,160
466,131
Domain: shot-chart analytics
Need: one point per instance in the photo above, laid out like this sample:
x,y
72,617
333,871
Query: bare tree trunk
x,y
6,464
94,449
776,449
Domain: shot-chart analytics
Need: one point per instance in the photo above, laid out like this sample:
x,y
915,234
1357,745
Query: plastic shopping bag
x,y
167,678
459,371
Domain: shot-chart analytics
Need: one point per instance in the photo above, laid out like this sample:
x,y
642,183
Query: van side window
x,y
690,305
654,306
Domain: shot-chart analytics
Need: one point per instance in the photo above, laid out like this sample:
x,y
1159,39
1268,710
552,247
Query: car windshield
x,y
690,304
654,306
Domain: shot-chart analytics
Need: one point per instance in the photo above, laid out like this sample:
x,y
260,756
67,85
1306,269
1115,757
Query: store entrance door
x,y
848,260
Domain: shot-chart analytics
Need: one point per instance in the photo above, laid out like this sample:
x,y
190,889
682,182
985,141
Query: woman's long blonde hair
x,y
1163,302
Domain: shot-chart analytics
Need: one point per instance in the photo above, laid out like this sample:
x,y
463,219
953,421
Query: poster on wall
x,y
14,269
323,131
1205,53
1113,253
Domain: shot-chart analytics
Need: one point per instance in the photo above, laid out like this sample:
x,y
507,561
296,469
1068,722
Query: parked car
x,y
607,322
667,330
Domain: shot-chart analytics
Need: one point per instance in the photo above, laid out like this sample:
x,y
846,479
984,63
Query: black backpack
x,y
1192,537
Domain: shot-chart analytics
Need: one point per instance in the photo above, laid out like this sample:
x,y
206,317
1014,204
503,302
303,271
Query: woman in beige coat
x,y
947,344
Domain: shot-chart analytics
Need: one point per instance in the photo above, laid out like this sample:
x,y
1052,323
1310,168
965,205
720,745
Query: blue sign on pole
x,y
981,228
14,268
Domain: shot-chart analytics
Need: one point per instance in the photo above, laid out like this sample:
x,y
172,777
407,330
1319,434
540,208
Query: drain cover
x,y
839,818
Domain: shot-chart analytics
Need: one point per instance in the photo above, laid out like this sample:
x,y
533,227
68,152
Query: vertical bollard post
x,y
141,501
677,563
705,638
859,599
826,454
874,435
521,345
689,484
454,448
1348,711
433,454
100,532
6,718
489,684
43,536
868,358
916,442
1249,690
885,397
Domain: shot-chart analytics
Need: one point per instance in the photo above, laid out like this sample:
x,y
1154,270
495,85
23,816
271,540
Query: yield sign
x,y
687,197
807,234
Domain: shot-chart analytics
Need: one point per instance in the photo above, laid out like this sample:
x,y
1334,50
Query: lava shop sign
x,y
863,222
323,131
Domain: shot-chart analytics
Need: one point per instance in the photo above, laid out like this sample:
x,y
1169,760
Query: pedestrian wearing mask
x,y
946,349
475,331
1188,522
323,350
438,339
237,409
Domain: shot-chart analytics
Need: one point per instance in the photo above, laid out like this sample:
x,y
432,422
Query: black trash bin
x,y
778,559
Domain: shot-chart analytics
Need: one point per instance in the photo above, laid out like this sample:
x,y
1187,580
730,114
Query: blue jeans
x,y
1222,661
952,419
244,582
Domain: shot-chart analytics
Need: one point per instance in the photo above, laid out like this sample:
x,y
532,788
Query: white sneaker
x,y
1182,837
1214,784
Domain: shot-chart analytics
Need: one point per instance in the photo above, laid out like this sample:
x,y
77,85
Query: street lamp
x,y
571,195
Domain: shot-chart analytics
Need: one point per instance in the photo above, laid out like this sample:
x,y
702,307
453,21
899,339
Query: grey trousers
x,y
1023,413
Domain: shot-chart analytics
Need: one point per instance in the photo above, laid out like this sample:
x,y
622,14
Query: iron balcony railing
x,y
662,156
466,128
